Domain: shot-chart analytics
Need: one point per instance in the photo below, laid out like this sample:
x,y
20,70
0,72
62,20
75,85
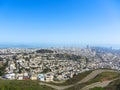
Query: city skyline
x,y
63,22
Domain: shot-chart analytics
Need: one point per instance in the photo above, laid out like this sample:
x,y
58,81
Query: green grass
x,y
22,85
97,88
104,76
101,77
73,80
115,85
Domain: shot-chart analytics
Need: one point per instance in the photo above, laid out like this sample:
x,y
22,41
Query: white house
x,y
41,77
49,77
10,76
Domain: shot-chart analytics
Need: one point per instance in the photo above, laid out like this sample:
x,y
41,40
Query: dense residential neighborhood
x,y
55,64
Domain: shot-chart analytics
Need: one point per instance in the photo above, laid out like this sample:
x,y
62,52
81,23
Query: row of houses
x,y
42,77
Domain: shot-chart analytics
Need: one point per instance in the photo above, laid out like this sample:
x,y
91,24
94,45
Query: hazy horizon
x,y
53,45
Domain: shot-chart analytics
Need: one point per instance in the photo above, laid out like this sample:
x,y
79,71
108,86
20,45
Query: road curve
x,y
87,78
57,87
97,84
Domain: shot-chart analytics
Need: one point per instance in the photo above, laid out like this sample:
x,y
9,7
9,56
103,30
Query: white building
x,y
10,76
41,77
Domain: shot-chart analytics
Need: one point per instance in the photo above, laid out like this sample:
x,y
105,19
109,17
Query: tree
x,y
2,68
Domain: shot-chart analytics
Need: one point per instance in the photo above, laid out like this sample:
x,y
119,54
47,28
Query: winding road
x,y
87,78
97,84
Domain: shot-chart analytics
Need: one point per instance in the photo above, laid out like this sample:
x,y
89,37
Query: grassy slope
x,y
21,85
97,88
104,76
115,85
101,77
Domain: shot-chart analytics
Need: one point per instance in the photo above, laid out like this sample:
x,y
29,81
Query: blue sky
x,y
60,21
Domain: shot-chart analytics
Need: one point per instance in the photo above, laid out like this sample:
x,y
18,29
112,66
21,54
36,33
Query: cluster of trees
x,y
67,56
2,68
44,51
46,70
